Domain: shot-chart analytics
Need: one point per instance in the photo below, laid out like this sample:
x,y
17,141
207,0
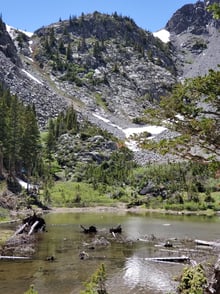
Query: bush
x,y
96,284
31,290
193,280
191,206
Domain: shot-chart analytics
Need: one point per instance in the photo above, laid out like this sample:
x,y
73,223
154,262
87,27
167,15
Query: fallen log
x,y
207,243
113,234
13,257
177,259
33,227
31,220
21,229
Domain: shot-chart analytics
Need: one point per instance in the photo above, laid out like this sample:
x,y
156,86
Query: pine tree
x,y
51,140
193,110
69,52
71,120
14,134
30,141
61,47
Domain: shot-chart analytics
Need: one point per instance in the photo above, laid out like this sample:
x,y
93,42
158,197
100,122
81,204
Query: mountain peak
x,y
193,18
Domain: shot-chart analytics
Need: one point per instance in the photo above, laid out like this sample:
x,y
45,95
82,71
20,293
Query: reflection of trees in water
x,y
151,275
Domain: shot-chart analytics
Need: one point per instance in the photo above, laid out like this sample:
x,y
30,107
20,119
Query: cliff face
x,y
192,18
196,39
7,46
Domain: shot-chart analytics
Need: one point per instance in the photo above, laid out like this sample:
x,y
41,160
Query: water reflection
x,y
155,277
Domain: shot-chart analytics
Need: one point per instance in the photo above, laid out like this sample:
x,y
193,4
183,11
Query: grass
x,y
4,215
4,236
100,101
43,136
71,194
201,205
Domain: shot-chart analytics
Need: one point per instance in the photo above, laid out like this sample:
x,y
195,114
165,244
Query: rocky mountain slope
x,y
107,67
119,74
23,80
196,39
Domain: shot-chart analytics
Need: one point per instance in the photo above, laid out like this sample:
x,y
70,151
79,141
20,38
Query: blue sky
x,y
29,15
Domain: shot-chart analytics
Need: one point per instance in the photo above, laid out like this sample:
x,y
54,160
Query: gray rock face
x,y
191,17
30,91
28,84
7,46
118,67
196,39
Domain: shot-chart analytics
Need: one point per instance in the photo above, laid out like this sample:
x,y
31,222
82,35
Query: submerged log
x,y
177,259
91,229
168,244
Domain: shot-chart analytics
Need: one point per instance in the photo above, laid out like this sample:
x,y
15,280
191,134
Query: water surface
x,y
128,270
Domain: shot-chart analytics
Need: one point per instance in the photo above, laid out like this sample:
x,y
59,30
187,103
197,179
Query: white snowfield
x,y
130,142
153,130
32,77
163,35
12,32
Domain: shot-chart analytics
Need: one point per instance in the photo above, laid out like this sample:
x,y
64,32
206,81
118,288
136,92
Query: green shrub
x,y
193,280
96,284
31,290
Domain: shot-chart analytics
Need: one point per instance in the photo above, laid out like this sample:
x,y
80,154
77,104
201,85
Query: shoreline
x,y
121,208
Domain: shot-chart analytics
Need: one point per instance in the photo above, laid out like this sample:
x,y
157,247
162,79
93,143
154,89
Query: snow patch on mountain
x,y
32,77
130,142
13,32
163,35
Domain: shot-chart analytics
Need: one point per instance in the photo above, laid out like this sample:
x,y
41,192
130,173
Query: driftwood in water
x,y
207,243
91,229
33,227
178,259
117,229
21,229
83,255
23,241
13,257
31,224
168,244
50,258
